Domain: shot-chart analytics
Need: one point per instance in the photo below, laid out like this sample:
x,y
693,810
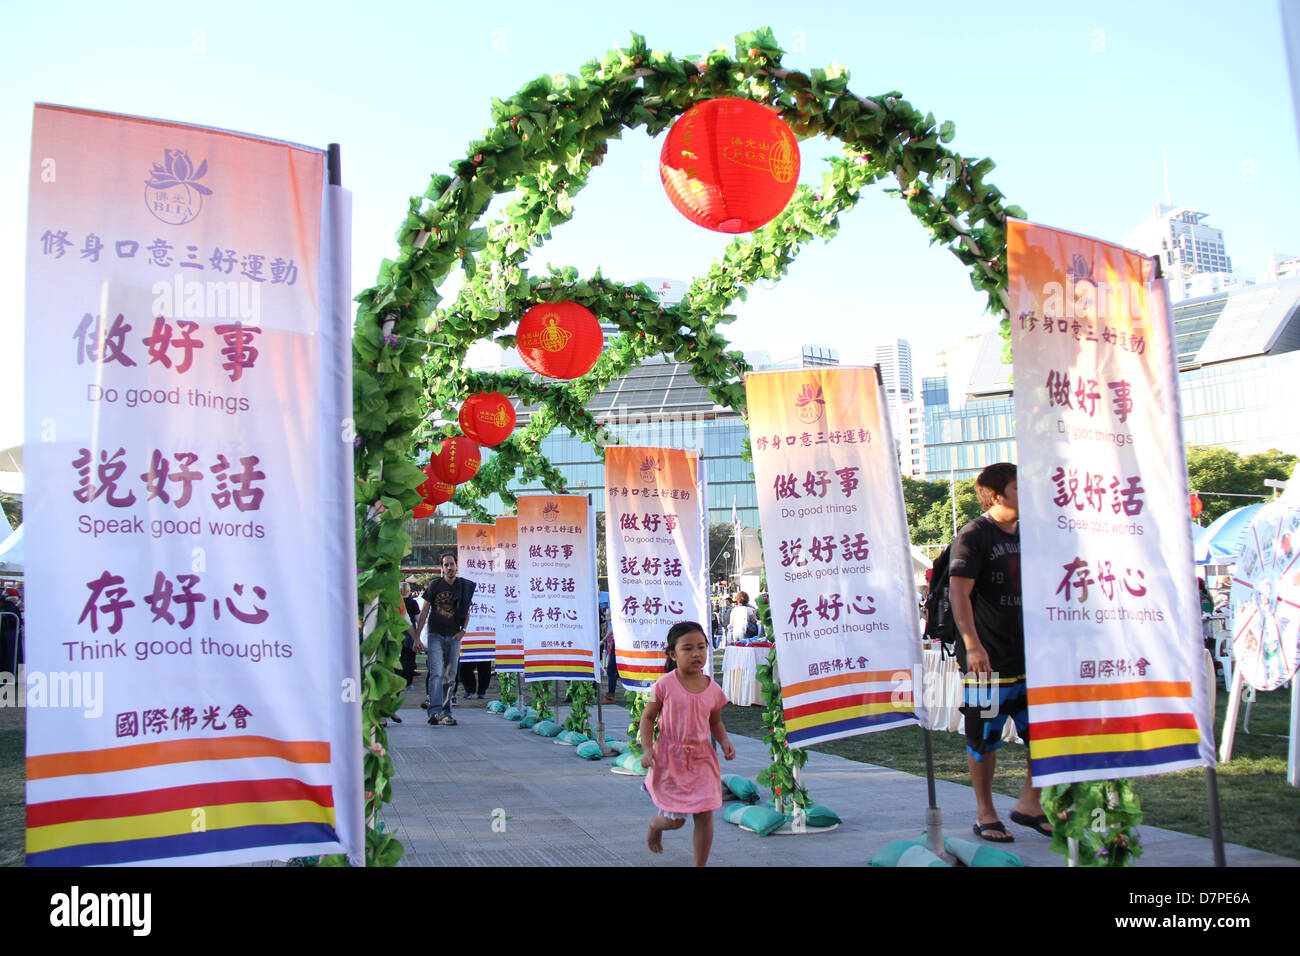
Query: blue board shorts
x,y
986,708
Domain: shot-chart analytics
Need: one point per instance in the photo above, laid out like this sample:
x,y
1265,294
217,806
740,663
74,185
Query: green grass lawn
x,y
1259,809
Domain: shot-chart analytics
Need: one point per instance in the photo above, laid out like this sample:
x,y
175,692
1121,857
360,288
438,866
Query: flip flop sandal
x,y
1037,824
980,829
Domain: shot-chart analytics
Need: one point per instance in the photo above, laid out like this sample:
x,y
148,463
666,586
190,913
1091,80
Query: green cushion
x,y
762,820
547,728
527,721
732,813
571,737
618,745
588,751
514,713
890,854
980,854
496,706
736,787
919,856
819,816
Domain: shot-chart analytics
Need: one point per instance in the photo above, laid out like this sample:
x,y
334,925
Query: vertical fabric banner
x,y
1113,646
510,615
838,558
654,543
477,556
188,388
557,575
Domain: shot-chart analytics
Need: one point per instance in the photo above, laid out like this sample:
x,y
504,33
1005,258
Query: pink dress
x,y
685,777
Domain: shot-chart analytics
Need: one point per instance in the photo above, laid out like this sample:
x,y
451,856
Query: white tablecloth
x,y
740,673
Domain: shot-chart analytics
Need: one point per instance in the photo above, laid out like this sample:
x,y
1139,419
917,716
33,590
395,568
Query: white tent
x,y
11,553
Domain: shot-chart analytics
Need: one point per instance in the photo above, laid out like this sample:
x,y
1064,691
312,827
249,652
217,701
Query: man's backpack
x,y
939,622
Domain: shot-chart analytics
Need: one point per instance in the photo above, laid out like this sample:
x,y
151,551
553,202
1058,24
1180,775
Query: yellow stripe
x,y
847,713
173,822
1109,743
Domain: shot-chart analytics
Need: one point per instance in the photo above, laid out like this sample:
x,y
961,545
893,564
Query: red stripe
x,y
175,798
834,703
1048,729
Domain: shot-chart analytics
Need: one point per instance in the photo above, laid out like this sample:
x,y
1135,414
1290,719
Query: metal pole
x,y
933,815
1216,821
1293,747
952,492
334,164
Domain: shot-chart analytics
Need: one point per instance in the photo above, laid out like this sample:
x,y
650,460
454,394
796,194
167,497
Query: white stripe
x,y
1090,710
175,775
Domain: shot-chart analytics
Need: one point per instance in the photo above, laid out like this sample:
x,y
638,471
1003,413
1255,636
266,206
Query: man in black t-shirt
x,y
446,608
984,588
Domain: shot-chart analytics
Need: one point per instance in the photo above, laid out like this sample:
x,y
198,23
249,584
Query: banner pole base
x,y
1216,821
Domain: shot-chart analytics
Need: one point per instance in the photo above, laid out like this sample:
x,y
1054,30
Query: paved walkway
x,y
485,793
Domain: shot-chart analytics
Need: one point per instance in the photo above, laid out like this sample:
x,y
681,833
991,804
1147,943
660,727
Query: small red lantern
x,y
1197,506
433,490
458,461
422,510
729,164
487,418
559,340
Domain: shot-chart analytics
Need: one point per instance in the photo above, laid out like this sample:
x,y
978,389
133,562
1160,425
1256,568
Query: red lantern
x,y
1197,506
559,340
458,461
422,510
433,490
487,418
729,164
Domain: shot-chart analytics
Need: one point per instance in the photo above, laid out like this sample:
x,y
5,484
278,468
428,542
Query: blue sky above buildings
x,y
1074,104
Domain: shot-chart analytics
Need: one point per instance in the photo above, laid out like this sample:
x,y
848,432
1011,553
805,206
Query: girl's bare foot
x,y
654,839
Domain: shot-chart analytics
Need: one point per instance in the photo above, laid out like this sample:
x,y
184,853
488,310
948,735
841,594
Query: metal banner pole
x,y
1216,822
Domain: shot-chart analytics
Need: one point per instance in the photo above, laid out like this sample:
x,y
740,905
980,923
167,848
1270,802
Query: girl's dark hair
x,y
675,634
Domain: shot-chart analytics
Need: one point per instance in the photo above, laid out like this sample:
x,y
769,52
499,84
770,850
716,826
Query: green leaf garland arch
x,y
409,372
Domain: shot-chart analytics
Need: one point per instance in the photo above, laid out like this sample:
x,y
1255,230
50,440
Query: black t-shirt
x,y
448,605
990,556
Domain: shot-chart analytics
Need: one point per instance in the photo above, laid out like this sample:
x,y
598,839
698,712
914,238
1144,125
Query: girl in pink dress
x,y
684,778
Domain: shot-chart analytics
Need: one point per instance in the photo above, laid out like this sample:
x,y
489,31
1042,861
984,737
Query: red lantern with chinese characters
x,y
433,490
729,164
487,418
458,461
422,510
1196,504
559,340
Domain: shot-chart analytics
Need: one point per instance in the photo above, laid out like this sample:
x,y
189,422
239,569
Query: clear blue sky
x,y
1074,106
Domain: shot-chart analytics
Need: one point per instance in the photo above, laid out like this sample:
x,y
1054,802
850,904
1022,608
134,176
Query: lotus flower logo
x,y
649,469
810,406
481,534
173,193
551,513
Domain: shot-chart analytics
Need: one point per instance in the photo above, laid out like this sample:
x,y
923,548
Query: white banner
x,y
187,377
839,564
1113,645
557,577
656,531
477,557
510,614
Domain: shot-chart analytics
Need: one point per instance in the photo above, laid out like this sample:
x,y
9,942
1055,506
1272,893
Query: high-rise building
x,y
1185,245
895,361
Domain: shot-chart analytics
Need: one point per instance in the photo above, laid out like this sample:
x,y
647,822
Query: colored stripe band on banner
x,y
893,700
840,728
175,798
833,711
893,678
146,826
1068,693
1144,723
175,751
1183,754
185,844
1112,743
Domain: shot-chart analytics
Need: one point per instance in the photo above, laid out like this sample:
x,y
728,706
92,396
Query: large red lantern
x,y
487,418
433,491
458,461
1196,505
422,510
559,340
729,164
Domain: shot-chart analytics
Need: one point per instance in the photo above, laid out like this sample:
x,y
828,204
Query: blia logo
x,y
810,405
173,193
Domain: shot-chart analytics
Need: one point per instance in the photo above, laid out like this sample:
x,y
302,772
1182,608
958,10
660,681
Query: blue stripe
x,y
1114,759
853,723
185,844
509,668
486,654
562,675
